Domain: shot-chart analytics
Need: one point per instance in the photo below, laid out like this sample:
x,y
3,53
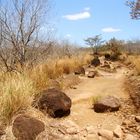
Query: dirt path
x,y
82,97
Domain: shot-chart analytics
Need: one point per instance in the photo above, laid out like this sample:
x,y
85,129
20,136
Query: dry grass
x,y
41,74
135,61
15,95
95,99
17,90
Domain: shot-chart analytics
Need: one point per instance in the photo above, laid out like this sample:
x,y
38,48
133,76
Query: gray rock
x,y
55,102
27,128
106,134
91,74
66,127
80,71
137,118
118,132
108,103
130,137
138,129
91,130
126,122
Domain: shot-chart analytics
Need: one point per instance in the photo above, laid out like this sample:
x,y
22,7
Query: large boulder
x,y
79,71
108,103
55,102
96,61
27,128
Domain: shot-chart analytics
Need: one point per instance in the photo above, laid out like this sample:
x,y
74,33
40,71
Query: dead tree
x,y
20,25
135,8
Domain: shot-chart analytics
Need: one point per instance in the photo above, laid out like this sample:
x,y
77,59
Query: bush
x,y
114,56
107,56
18,90
95,61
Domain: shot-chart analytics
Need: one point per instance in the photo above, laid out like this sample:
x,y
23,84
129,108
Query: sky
x,y
78,19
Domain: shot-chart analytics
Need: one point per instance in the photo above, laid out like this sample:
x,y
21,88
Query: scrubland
x,y
19,89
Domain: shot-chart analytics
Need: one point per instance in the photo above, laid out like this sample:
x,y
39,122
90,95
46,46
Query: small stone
x,y
132,125
106,134
138,129
72,131
91,130
126,122
83,133
2,132
92,137
118,132
79,71
124,130
68,124
99,126
130,137
67,127
137,118
91,74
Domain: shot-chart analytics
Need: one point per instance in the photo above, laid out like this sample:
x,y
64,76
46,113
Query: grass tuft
x,y
15,96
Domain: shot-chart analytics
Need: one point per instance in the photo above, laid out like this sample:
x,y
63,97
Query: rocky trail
x,y
83,123
90,88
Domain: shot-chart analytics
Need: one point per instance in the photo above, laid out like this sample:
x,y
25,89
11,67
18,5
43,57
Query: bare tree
x,y
135,8
20,24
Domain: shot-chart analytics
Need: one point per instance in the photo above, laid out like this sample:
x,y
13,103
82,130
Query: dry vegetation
x,y
135,61
27,64
18,89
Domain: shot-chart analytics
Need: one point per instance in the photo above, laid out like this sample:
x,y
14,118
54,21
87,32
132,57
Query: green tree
x,y
94,42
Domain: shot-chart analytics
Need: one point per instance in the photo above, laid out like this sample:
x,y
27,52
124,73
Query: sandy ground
x,y
82,95
82,98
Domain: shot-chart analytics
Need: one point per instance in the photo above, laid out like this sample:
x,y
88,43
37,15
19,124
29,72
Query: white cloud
x,y
52,29
78,16
87,8
111,30
68,35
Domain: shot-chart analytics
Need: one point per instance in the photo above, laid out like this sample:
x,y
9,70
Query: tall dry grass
x,y
135,61
54,69
15,96
18,90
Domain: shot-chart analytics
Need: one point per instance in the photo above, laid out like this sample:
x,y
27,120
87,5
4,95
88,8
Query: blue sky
x,y
75,20
79,19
